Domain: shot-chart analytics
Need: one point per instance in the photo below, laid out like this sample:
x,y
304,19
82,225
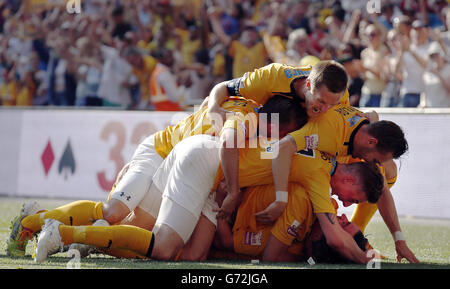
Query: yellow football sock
x,y
73,214
363,214
122,253
122,237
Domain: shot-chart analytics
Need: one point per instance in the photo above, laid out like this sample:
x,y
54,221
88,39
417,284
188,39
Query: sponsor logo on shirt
x,y
293,228
353,120
253,239
289,73
311,141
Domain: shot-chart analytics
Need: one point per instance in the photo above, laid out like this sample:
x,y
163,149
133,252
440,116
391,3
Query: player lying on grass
x,y
188,175
288,240
320,89
135,181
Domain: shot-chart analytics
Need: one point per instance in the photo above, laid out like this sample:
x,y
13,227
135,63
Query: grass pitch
x,y
428,239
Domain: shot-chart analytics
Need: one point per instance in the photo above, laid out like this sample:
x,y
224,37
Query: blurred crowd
x,y
168,54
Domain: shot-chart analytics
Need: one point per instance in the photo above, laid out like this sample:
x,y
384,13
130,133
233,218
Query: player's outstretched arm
x,y
388,212
281,166
217,97
229,160
340,240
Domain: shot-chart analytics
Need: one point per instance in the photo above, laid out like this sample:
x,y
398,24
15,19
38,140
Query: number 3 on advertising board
x,y
117,129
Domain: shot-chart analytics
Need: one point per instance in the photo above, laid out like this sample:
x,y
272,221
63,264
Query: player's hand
x,y
270,214
229,204
404,252
372,116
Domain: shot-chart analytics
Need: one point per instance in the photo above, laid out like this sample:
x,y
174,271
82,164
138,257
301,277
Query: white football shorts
x,y
186,178
135,183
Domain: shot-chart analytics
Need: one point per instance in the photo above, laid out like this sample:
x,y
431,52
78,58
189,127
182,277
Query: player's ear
x,y
372,141
308,84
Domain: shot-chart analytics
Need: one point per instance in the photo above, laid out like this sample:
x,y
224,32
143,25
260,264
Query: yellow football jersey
x,y
265,82
332,132
291,228
244,119
312,170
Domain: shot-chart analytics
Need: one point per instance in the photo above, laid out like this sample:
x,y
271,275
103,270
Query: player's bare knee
x,y
164,252
114,211
167,243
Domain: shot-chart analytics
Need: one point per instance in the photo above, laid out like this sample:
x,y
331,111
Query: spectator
x,y
88,74
8,88
298,46
392,64
116,78
298,16
120,26
415,53
371,60
437,78
71,72
143,66
352,66
164,91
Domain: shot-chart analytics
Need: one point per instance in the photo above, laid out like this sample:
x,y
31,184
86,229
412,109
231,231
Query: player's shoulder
x,y
314,159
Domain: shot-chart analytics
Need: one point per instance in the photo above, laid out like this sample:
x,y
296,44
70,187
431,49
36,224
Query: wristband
x,y
282,196
398,236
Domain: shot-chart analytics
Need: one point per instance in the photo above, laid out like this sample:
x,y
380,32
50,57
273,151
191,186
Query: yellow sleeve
x,y
313,172
258,84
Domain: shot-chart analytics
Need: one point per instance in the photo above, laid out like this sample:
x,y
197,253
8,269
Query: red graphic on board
x,y
47,157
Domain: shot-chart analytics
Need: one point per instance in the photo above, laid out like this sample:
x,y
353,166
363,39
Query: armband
x,y
282,196
233,86
398,236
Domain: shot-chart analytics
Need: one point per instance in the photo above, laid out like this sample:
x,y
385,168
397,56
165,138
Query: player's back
x,y
200,123
332,132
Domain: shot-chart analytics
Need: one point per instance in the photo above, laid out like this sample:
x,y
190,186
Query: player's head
x,y
379,142
357,182
291,115
319,250
325,86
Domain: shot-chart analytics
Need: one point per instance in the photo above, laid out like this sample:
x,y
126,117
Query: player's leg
x,y
197,248
74,214
31,221
193,165
121,237
362,214
145,214
131,188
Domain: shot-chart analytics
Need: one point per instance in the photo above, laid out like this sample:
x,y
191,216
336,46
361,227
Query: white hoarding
x,y
77,154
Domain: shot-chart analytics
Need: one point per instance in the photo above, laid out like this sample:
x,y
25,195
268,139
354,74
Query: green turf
x,y
428,239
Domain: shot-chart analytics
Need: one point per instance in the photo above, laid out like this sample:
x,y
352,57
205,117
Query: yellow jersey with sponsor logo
x,y
313,171
276,78
244,119
332,132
